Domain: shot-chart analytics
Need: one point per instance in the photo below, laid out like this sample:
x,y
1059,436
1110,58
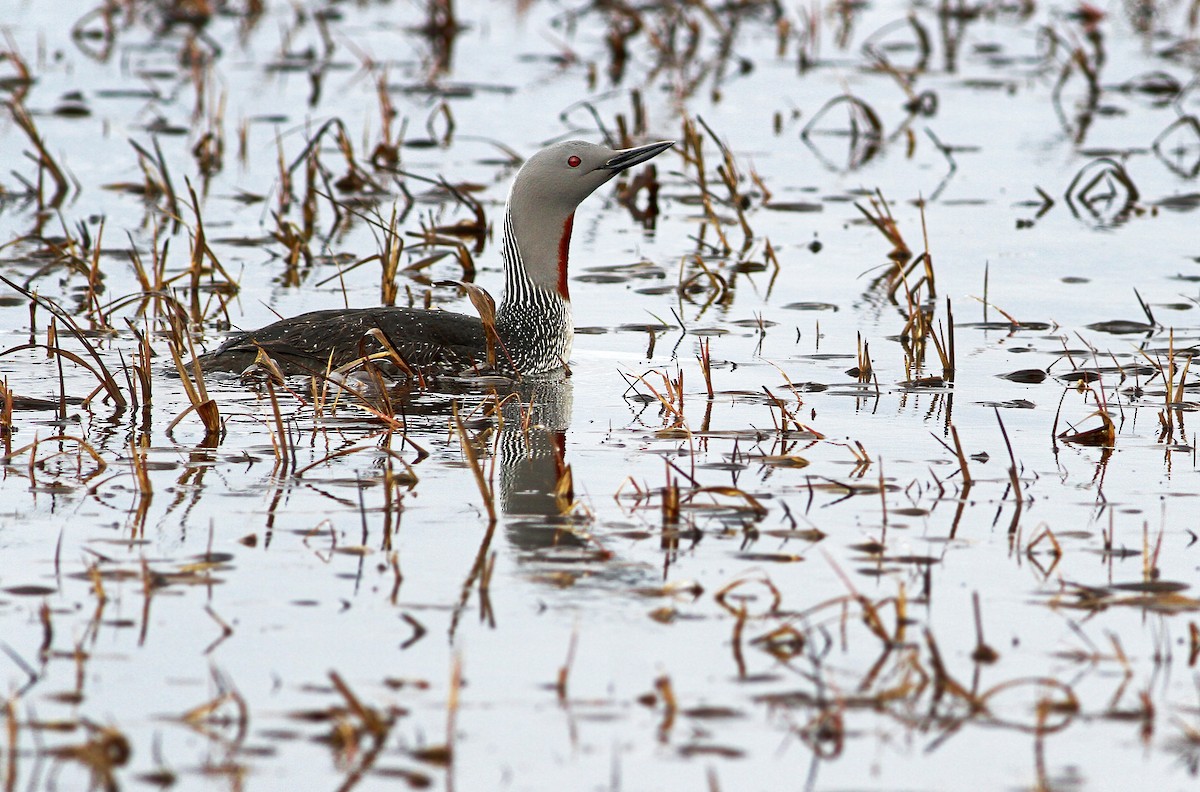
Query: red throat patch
x,y
564,248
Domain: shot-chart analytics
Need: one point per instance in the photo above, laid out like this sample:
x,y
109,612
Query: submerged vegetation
x,y
861,476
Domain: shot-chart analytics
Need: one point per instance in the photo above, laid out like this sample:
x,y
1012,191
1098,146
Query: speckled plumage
x,y
434,341
534,320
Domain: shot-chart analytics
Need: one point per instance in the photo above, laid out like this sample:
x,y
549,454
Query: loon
x,y
533,324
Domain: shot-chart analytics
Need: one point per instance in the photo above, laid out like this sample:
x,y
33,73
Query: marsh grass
x,y
814,648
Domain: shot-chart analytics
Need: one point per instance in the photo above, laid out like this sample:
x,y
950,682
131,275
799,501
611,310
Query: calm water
x,y
346,619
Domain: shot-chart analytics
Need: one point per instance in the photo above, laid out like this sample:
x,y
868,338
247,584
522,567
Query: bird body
x,y
533,323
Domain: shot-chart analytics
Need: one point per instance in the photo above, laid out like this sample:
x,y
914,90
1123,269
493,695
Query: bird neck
x,y
534,318
537,240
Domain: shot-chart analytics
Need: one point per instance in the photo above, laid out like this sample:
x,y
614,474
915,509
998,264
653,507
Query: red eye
x,y
573,161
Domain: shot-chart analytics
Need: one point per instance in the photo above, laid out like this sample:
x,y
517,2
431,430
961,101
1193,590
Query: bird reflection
x,y
535,482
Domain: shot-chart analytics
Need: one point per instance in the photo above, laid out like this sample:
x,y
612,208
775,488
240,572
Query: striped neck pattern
x,y
533,321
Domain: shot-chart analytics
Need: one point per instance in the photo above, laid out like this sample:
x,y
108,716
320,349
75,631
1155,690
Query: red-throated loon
x,y
533,322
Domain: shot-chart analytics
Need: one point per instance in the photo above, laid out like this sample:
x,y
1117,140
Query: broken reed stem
x,y
6,416
1013,477
367,716
705,358
949,342
283,452
137,460
1150,557
673,390
928,257
670,501
670,706
883,502
564,673
983,653
197,394
962,457
886,224
452,700
739,626
864,359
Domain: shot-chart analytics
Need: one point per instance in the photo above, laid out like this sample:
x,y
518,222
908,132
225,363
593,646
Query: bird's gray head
x,y
563,174
543,198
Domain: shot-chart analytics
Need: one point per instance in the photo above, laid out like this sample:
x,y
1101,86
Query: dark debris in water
x,y
1026,376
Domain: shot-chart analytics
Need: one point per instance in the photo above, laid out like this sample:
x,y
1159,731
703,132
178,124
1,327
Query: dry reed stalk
x,y
6,416
722,595
143,394
486,490
670,706
137,460
564,671
44,160
739,626
944,342
1048,535
201,252
209,150
943,683
485,305
162,184
408,478
705,360
1150,557
285,190
1104,436
671,400
786,415
81,446
107,382
752,503
1014,477
926,256
391,250
730,177
721,290
370,719
881,217
94,280
452,703
431,238
883,503
154,282
864,126
692,151
197,393
362,398
486,613
105,750
670,502
863,369
564,491
962,458
282,445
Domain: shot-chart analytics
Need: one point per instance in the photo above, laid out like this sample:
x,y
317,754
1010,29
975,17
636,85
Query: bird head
x,y
562,175
545,193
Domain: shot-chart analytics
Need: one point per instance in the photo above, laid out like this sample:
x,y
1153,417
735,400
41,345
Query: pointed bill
x,y
627,158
